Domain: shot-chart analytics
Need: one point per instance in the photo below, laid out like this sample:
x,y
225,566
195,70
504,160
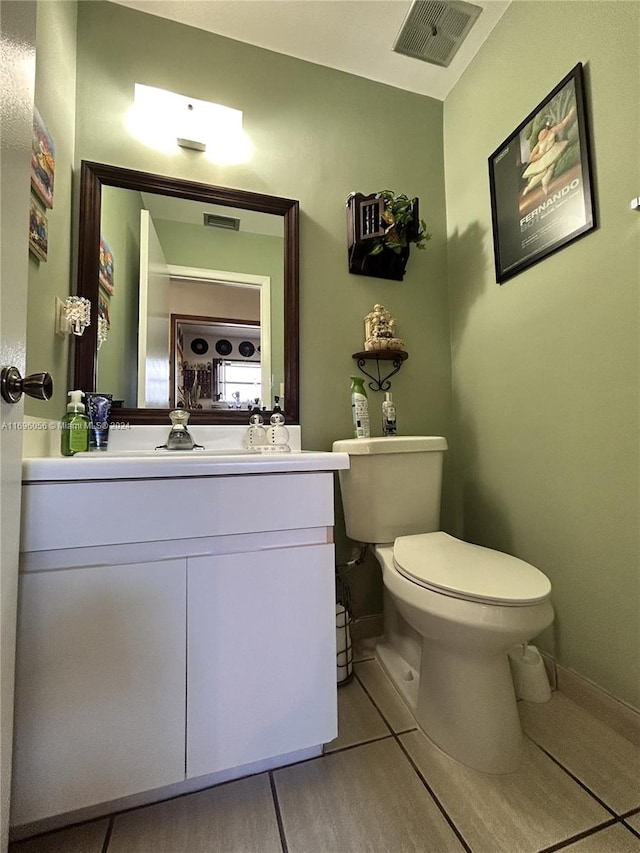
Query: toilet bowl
x,y
452,610
449,593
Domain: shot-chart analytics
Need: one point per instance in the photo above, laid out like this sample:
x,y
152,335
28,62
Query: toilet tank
x,y
392,487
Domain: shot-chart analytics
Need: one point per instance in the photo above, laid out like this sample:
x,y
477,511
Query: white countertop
x,y
132,454
179,464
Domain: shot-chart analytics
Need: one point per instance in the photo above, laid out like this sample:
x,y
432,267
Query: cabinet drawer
x,y
124,511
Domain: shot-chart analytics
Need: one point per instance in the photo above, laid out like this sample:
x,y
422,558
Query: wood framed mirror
x,y
93,178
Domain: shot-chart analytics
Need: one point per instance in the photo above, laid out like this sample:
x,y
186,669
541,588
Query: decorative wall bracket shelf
x,y
381,382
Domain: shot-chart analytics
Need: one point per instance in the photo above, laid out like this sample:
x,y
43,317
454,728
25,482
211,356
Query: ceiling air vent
x,y
433,31
214,220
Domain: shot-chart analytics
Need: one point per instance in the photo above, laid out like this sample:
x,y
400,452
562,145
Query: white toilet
x,y
452,610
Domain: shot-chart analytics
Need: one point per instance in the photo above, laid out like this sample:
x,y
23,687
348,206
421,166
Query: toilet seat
x,y
448,566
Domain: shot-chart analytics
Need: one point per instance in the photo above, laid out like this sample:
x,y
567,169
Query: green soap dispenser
x,y
75,427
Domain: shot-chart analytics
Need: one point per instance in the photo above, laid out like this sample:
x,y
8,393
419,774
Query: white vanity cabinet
x,y
256,685
203,646
99,704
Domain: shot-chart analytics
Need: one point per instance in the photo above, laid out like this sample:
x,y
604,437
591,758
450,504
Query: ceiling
x,y
192,212
355,36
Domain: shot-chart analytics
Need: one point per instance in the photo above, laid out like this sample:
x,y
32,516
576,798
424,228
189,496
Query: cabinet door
x,y
100,690
261,666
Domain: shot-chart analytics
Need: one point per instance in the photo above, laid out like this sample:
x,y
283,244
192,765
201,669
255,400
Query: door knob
x,y
13,386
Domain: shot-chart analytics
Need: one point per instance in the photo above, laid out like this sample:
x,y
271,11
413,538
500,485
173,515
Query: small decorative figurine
x,y
256,436
277,433
379,330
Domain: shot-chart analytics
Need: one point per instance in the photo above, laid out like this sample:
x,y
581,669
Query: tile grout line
x,y
415,769
107,837
384,719
580,836
578,781
433,796
630,828
48,833
632,812
616,818
350,746
276,806
111,816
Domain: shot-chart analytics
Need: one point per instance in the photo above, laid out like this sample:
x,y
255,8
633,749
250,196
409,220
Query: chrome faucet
x,y
179,436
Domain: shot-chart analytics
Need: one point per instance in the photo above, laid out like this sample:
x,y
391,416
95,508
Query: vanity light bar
x,y
193,144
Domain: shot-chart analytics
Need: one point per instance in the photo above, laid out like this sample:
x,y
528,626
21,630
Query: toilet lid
x,y
438,561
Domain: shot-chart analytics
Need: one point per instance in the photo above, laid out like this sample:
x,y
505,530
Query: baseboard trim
x,y
622,718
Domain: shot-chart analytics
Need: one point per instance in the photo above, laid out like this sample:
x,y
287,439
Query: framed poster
x,y
540,181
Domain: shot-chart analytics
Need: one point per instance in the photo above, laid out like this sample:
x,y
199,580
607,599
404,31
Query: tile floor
x,y
382,787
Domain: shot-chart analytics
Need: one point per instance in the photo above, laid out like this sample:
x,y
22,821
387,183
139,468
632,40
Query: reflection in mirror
x,y
249,303
154,249
215,363
142,234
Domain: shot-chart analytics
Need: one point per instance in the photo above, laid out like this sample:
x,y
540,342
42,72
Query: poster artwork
x,y
541,190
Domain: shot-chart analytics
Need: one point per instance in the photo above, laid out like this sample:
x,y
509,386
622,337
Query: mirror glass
x,y
194,292
215,363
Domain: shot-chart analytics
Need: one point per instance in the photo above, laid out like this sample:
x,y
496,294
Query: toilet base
x,y
402,675
467,708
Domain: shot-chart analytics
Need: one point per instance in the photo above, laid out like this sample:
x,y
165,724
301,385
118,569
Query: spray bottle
x,y
389,426
75,426
360,408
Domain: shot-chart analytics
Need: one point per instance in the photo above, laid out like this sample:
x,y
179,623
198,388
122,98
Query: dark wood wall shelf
x,y
364,225
387,264
381,382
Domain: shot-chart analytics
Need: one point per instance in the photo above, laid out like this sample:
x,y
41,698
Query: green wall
x,y
118,355
545,367
55,101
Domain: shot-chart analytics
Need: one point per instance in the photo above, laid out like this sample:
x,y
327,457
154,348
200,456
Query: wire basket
x,y
344,646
